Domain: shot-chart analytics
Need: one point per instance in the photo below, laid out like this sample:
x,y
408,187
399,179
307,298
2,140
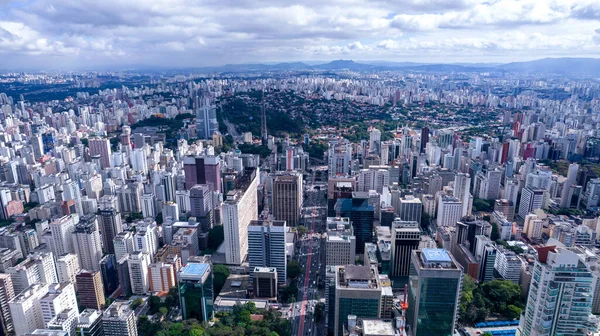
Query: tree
x,y
495,233
172,298
136,303
293,269
319,312
482,205
163,311
221,272
216,236
302,230
154,304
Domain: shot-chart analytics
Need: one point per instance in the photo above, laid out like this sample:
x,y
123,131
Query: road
x,y
310,256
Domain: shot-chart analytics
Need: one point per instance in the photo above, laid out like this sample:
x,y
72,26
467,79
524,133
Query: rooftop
x,y
436,255
377,327
195,269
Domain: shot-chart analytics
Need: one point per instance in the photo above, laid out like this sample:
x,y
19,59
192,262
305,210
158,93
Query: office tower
x,y
171,211
591,197
201,206
202,170
434,290
119,320
100,147
123,244
449,210
340,246
86,240
62,234
339,158
374,178
148,208
511,190
138,161
467,228
287,199
110,225
196,292
485,254
424,138
7,293
162,277
531,199
67,267
108,271
410,209
146,237
123,275
90,289
533,226
361,214
357,292
206,118
266,246
265,282
504,207
374,140
560,294
93,187
239,209
504,225
138,263
406,236
130,197
89,323
26,311
72,192
58,298
462,185
567,192
490,185
508,265
39,267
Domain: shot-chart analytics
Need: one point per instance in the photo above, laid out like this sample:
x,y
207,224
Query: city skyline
x,y
44,34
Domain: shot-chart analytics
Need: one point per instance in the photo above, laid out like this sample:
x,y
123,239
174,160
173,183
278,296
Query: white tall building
x,y
341,242
375,140
67,267
146,237
566,194
508,265
148,205
560,294
374,178
26,311
86,240
58,298
37,268
138,263
62,231
138,160
71,191
462,191
449,210
239,209
123,244
266,246
533,226
531,199
161,277
339,158
410,210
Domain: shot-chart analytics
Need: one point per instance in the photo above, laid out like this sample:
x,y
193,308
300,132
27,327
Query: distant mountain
x,y
562,66
344,64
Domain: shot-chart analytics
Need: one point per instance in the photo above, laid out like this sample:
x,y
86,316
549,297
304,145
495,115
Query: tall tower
x,y
263,121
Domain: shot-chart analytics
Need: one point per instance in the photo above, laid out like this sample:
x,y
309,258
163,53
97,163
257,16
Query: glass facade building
x,y
196,294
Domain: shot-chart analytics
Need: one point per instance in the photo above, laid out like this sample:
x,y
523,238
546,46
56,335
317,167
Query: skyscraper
x,y
266,246
433,294
123,244
138,263
62,234
560,294
110,225
202,170
119,320
462,186
406,236
206,118
26,311
361,215
90,289
531,199
7,293
449,210
410,209
162,277
287,198
240,208
341,243
101,147
86,240
196,293
59,297
202,206
567,191
67,267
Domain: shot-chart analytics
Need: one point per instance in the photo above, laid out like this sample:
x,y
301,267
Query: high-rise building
x,y
72,192
161,276
148,205
109,273
567,192
196,293
560,294
406,236
462,186
410,209
7,293
533,226
26,311
101,147
356,291
201,205
138,272
374,140
123,244
206,118
508,265
39,267
119,320
89,323
339,158
86,242
90,289
62,234
266,246
67,267
146,237
361,214
531,199
59,297
434,291
341,244
123,275
287,198
449,210
374,178
202,170
110,225
240,208
265,282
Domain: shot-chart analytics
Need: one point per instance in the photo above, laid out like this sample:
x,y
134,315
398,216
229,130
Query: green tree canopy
x,y
293,269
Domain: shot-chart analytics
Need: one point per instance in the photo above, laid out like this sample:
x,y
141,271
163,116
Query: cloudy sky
x,y
93,33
